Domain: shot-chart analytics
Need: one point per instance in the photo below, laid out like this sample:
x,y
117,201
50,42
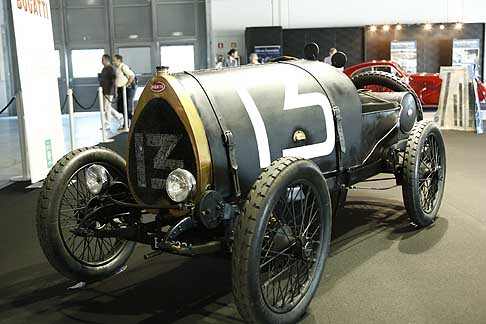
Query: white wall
x,y
230,17
315,13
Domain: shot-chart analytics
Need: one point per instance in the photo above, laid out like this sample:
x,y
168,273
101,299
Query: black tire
x,y
63,187
424,171
390,81
260,215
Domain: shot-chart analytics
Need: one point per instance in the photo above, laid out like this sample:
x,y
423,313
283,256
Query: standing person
x,y
107,82
124,78
231,59
327,59
219,61
254,58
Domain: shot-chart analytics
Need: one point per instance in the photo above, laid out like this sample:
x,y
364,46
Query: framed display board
x,y
268,52
405,54
466,52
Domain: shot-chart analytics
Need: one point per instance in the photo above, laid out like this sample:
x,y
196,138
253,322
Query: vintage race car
x,y
253,161
426,85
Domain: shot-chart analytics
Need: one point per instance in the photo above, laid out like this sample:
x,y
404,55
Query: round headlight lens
x,y
97,178
180,185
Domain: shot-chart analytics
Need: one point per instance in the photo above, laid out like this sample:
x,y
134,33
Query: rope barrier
x,y
83,107
64,104
8,105
65,101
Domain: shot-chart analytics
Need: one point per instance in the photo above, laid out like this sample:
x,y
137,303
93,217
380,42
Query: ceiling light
x,y
398,27
373,28
458,26
386,28
133,36
428,27
442,27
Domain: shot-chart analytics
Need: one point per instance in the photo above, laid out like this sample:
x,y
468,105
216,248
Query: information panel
x,y
465,52
38,80
405,54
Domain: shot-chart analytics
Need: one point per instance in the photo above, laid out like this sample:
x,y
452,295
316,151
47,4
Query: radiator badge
x,y
158,86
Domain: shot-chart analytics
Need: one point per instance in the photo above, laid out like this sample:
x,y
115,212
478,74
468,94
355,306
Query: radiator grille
x,y
159,145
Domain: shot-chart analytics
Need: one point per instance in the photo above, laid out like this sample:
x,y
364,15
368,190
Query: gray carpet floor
x,y
380,269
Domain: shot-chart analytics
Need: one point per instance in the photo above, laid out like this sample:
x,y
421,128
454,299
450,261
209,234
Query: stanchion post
x,y
102,113
125,109
71,117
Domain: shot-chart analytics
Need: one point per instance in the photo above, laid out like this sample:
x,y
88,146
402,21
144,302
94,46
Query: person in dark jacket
x,y
231,59
107,82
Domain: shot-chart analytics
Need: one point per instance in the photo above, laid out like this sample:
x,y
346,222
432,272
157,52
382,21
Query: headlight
x,y
180,185
97,178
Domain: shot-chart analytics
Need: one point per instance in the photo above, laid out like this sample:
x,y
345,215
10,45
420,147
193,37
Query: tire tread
x,y
244,233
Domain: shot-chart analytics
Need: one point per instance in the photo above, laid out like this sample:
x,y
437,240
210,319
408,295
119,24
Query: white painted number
x,y
258,127
293,100
166,144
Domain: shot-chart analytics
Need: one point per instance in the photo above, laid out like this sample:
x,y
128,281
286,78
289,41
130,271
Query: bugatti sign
x,y
158,86
38,80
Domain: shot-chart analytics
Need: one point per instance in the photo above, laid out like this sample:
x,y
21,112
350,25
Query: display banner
x,y
459,107
268,52
38,80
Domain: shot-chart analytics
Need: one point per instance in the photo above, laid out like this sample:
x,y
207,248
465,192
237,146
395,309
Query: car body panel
x,y
426,85
264,107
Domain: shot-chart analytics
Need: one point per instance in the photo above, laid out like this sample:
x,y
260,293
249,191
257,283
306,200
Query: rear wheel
x,y
424,170
281,242
63,203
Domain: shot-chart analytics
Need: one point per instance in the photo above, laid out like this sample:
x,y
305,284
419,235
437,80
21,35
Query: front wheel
x,y
281,242
424,171
63,203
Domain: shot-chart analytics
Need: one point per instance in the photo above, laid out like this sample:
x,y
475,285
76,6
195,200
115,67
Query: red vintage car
x,y
426,85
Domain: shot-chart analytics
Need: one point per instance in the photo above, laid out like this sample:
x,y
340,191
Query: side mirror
x,y
311,52
339,60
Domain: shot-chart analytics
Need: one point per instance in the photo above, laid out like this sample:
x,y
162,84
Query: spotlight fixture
x,y
458,26
386,28
398,27
442,27
428,27
373,28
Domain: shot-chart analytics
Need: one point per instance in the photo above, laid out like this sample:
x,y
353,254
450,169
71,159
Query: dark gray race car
x,y
252,160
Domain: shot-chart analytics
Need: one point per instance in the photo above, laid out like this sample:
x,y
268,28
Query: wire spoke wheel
x,y
424,172
281,242
75,202
430,173
290,247
66,236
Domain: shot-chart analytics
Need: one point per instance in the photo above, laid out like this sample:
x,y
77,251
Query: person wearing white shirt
x,y
124,78
254,59
327,59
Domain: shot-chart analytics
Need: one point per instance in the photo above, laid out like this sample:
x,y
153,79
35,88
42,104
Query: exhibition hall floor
x,y
87,132
380,269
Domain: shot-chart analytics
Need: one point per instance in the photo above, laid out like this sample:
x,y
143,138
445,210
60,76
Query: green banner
x,y
48,147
